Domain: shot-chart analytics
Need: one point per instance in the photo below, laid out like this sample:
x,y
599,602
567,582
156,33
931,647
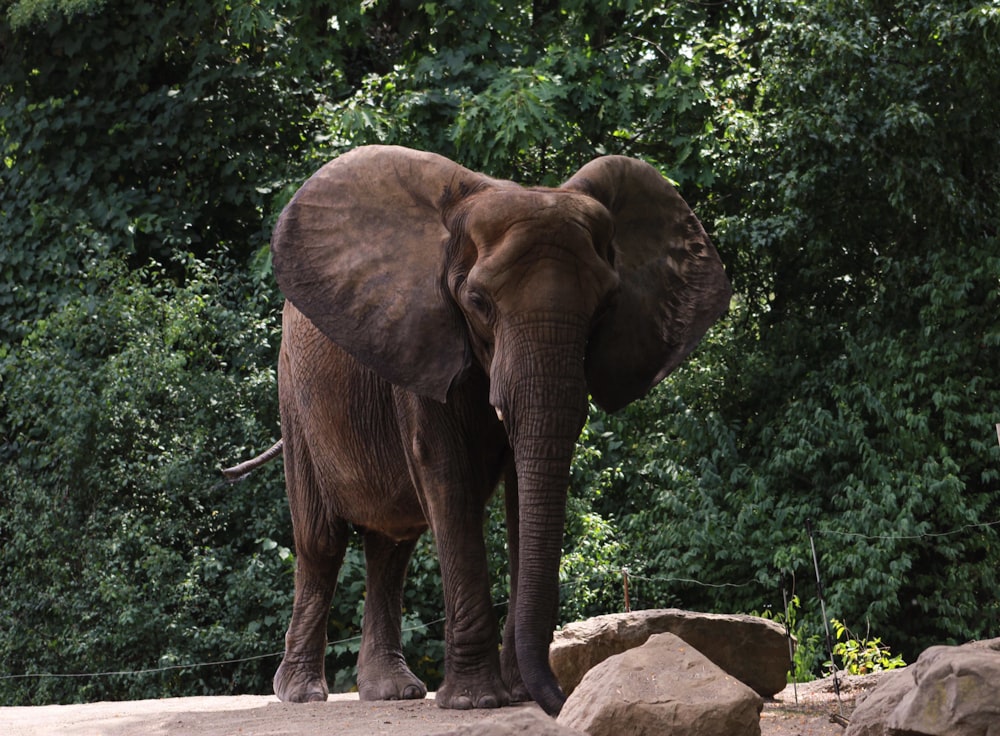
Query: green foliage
x,y
854,381
807,649
862,656
533,91
119,547
592,571
141,129
22,13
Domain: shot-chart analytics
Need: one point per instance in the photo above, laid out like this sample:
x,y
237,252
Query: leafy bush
x,y
864,655
119,547
851,384
533,91
142,129
807,648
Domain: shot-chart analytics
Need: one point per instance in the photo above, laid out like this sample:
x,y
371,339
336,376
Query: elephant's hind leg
x,y
320,545
301,677
382,670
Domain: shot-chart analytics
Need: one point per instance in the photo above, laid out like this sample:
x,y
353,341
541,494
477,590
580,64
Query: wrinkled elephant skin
x,y
443,331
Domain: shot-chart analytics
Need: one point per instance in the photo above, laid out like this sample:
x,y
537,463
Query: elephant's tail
x,y
241,471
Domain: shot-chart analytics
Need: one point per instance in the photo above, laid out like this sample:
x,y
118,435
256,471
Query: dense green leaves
x,y
125,551
857,383
127,132
533,92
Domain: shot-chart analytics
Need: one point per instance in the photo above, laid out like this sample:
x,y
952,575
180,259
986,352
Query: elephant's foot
x,y
392,682
300,683
518,691
466,695
512,678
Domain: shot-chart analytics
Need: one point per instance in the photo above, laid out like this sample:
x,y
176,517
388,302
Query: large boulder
x,y
664,687
754,650
949,691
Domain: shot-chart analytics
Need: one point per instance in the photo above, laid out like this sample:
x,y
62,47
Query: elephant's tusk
x,y
499,414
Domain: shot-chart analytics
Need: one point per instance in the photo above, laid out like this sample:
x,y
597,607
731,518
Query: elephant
x,y
444,331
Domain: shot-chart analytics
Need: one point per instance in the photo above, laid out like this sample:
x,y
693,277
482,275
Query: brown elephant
x,y
442,332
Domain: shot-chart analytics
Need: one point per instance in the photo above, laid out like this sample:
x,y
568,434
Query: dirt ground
x,y
345,715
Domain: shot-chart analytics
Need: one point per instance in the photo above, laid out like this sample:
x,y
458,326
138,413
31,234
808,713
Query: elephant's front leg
x,y
382,670
472,653
454,484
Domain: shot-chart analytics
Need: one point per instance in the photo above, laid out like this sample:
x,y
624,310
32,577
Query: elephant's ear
x,y
673,285
360,251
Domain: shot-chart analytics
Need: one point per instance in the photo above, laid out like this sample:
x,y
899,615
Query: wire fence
x,y
618,572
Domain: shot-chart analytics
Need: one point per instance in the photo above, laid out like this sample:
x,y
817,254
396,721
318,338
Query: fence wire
x,y
423,626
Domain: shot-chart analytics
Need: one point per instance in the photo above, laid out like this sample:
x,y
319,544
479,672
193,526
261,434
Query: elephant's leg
x,y
382,670
454,483
301,677
320,544
472,658
454,469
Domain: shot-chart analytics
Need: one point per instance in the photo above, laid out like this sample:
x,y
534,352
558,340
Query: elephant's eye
x,y
479,303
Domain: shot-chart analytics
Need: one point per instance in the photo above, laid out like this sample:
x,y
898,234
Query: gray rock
x,y
522,721
873,708
992,645
752,649
665,687
948,691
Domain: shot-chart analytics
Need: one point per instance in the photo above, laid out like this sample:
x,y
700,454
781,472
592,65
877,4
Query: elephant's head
x,y
424,270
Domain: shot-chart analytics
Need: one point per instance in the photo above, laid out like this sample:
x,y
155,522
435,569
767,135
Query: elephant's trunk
x,y
546,405
542,520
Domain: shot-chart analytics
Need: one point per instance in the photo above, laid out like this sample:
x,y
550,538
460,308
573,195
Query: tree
x,y
144,129
856,384
120,549
532,91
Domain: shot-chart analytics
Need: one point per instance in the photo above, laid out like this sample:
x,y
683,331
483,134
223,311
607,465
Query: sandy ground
x,y
345,715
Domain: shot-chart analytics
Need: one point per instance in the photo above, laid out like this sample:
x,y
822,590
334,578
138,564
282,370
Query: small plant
x,y
865,655
807,646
